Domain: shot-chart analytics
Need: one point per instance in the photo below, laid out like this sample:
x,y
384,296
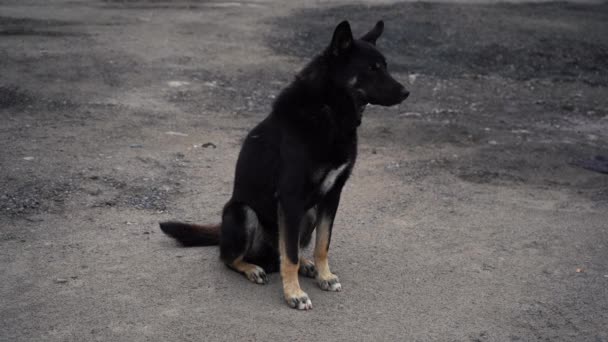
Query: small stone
x,y
176,133
95,192
567,106
175,84
493,142
410,114
209,144
28,158
61,280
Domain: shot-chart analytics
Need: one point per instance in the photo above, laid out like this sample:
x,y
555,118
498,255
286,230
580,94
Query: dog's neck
x,y
345,104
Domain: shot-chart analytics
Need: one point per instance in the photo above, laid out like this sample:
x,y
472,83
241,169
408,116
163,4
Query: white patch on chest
x,y
331,177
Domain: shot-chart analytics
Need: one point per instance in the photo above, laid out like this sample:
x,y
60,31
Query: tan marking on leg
x,y
326,280
295,297
289,274
321,248
253,272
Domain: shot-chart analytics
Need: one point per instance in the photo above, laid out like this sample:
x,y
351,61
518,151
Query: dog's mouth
x,y
395,98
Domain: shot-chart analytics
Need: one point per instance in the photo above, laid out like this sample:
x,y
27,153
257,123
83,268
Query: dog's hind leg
x,y
239,226
253,272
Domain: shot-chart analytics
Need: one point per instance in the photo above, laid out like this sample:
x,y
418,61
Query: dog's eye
x,y
375,67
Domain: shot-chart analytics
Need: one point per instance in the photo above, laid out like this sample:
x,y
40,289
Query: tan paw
x,y
300,301
256,275
331,283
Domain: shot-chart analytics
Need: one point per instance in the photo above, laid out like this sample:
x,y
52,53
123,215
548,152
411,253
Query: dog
x,y
292,167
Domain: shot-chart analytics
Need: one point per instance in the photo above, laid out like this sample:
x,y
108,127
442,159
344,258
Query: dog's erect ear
x,y
342,40
373,35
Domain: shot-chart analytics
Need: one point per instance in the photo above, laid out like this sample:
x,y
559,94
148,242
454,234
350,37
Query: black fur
x,y
190,235
286,158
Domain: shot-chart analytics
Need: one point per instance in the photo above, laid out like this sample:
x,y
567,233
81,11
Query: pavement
x,y
471,215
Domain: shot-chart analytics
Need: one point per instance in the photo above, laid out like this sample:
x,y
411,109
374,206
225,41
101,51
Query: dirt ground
x,y
466,218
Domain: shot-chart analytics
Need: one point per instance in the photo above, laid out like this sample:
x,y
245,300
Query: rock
x,y
175,84
568,106
176,133
61,280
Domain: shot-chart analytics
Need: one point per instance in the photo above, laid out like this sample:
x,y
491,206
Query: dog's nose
x,y
404,93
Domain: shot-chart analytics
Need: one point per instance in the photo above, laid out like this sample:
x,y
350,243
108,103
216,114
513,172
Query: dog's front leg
x,y
326,280
290,218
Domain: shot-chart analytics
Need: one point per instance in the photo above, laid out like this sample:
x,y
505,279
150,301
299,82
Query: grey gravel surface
x,y
467,218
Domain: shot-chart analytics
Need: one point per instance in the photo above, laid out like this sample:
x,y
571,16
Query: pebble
x,y
61,280
176,84
176,133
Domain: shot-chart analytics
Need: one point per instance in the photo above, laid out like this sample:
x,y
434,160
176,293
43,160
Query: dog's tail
x,y
191,235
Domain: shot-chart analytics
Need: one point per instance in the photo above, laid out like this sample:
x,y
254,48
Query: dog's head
x,y
359,66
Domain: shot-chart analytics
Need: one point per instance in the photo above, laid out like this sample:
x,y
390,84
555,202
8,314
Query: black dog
x,y
293,165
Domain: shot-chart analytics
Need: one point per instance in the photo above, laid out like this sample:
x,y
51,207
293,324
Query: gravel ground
x,y
468,216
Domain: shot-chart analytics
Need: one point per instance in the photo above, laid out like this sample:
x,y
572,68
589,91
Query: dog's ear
x,y
373,35
342,40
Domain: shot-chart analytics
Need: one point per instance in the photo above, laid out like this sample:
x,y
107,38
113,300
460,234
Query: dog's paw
x,y
332,283
257,275
300,301
307,268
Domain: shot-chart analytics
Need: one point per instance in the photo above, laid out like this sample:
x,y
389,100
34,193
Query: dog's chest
x,y
327,178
